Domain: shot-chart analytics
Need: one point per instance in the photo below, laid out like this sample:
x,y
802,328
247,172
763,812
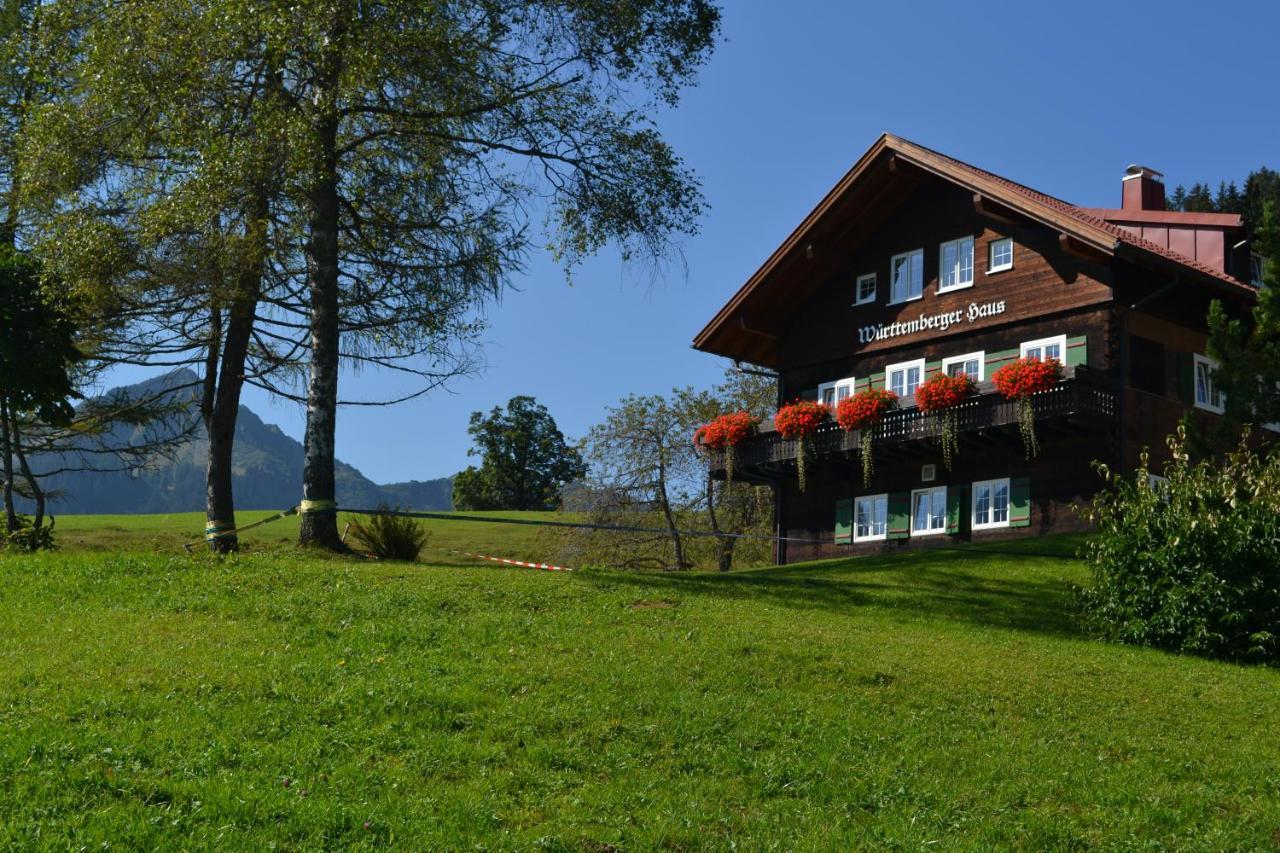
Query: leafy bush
x,y
391,537
1191,564
27,537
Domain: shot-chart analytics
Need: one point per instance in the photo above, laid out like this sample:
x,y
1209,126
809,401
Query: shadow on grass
x,y
995,586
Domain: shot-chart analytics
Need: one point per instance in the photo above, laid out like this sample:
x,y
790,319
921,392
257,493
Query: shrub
x,y
27,537
1191,564
391,537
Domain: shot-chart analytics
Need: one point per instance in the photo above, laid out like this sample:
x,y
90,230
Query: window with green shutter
x,y
1019,502
957,510
844,521
899,515
1077,351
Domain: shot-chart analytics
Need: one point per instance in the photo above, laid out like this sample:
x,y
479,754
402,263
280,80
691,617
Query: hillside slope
x,y
938,700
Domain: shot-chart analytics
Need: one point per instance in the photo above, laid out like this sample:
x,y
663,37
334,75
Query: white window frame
x,y
980,356
893,299
991,255
911,521
1042,343
903,366
871,537
942,250
1207,405
836,386
991,510
857,289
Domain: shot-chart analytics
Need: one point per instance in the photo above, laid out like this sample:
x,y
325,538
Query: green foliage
x,y
525,460
1248,351
1261,187
1191,565
37,343
390,537
28,537
937,700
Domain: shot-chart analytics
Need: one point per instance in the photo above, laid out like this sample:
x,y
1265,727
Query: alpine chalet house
x,y
916,263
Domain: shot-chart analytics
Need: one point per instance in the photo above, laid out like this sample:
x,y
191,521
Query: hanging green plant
x,y
799,420
724,434
1020,380
939,396
862,412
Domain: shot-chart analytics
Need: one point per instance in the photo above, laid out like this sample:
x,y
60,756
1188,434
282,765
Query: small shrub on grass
x,y
1191,564
27,537
390,537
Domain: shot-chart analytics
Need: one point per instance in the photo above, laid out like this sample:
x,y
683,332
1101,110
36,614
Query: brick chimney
x,y
1143,189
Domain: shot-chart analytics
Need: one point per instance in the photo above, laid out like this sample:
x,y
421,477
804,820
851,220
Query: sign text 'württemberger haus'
x,y
917,263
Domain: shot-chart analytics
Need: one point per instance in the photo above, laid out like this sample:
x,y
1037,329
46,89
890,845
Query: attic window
x,y
865,289
1001,255
906,276
955,266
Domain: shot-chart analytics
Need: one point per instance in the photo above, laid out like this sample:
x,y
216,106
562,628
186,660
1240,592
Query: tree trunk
x,y
724,544
321,528
665,504
10,514
223,406
37,493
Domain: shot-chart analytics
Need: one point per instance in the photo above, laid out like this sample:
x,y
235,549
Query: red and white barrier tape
x,y
545,566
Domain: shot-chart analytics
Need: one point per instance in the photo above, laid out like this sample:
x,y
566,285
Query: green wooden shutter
x,y
1020,502
844,522
876,380
1077,351
899,511
957,510
1186,377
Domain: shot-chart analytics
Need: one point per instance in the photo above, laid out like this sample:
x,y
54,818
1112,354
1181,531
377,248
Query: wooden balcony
x,y
1084,399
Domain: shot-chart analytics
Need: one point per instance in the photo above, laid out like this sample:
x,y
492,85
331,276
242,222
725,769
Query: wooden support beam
x,y
993,209
1072,246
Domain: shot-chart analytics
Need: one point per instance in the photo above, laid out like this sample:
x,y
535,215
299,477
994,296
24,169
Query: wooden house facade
x,y
917,263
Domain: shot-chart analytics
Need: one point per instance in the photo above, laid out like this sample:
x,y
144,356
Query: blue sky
x,y
1058,96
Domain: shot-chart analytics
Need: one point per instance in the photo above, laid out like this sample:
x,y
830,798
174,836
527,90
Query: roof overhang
x,y
747,327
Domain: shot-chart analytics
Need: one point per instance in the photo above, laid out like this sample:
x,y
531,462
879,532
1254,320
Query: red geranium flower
x,y
865,408
725,431
941,391
801,418
1026,376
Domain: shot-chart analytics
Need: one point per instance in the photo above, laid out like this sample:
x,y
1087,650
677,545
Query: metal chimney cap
x,y
1136,171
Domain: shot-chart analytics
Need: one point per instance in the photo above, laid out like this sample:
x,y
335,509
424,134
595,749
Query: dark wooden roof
x,y
892,167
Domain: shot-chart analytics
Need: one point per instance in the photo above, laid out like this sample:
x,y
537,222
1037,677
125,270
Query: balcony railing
x,y
1082,398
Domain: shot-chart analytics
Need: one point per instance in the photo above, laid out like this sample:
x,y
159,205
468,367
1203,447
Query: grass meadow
x,y
151,699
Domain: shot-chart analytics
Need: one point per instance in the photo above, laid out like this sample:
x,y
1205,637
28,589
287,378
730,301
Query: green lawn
x,y
168,533
939,700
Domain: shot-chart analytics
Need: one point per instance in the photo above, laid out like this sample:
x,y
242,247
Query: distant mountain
x,y
267,474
